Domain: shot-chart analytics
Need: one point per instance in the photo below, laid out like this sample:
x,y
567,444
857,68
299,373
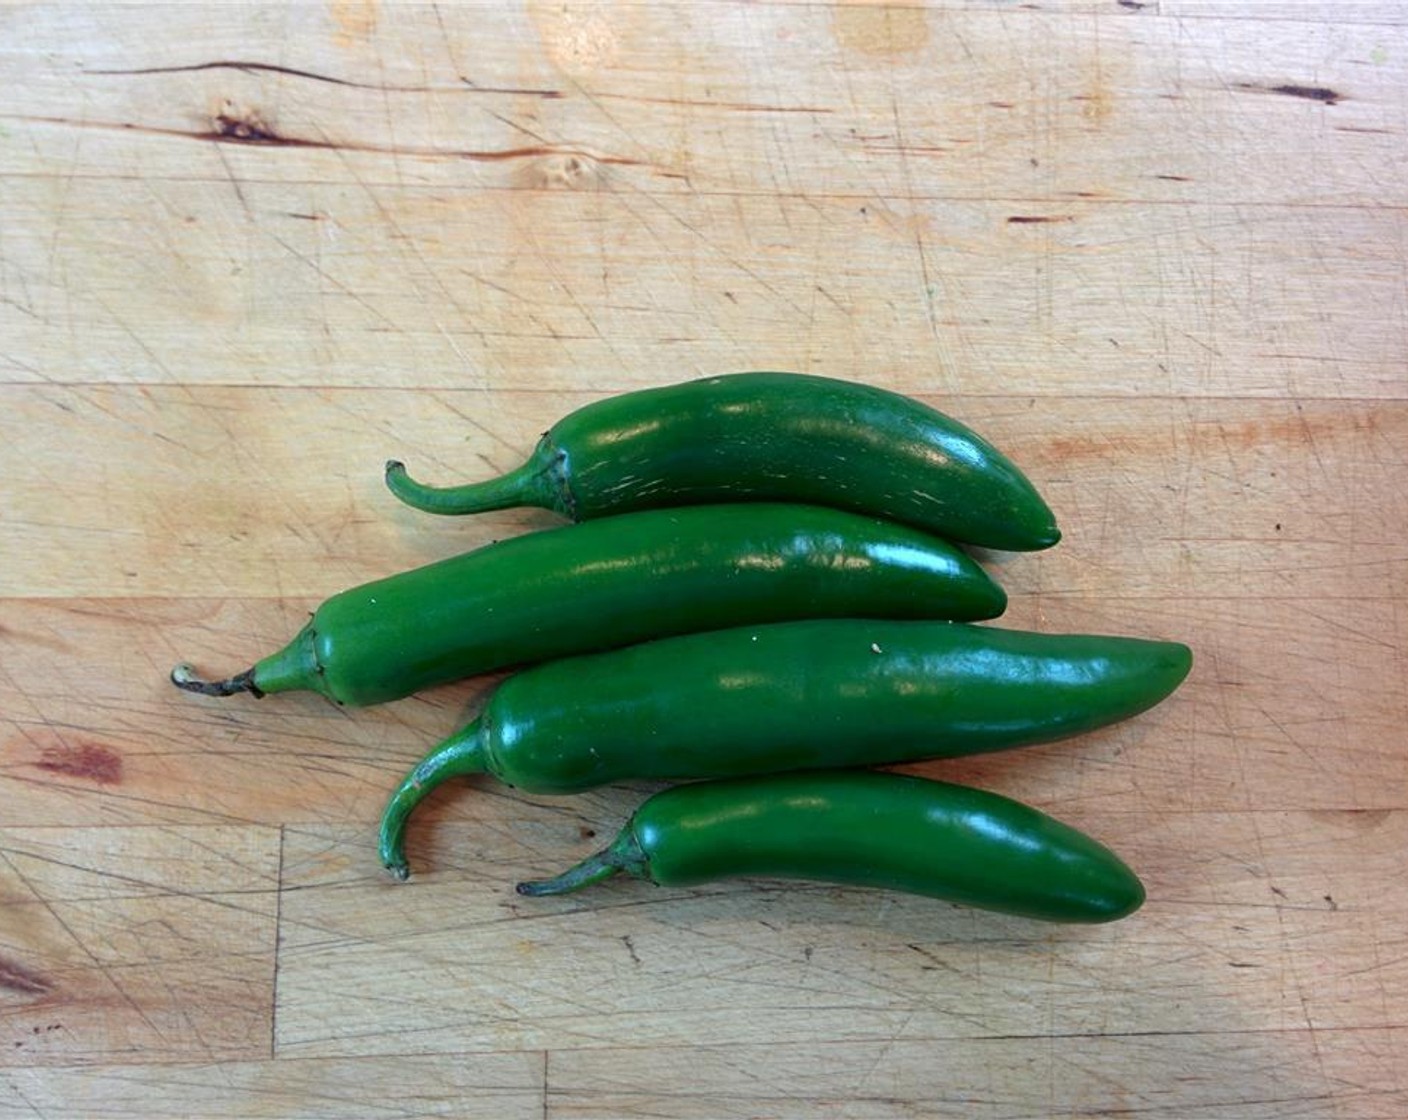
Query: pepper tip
x,y
184,677
398,871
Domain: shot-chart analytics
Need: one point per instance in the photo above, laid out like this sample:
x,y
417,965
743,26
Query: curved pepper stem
x,y
292,668
533,484
184,676
624,854
461,755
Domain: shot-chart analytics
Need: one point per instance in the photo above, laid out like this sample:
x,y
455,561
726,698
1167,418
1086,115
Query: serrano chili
x,y
868,829
611,583
789,696
766,437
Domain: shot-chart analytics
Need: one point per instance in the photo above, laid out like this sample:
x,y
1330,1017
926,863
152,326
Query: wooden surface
x,y
1155,250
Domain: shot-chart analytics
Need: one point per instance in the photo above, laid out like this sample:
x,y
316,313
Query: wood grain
x,y
385,232
941,296
1155,250
123,945
501,1085
1203,1076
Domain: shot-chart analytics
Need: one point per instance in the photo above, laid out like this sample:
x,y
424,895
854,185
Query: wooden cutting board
x,y
1156,251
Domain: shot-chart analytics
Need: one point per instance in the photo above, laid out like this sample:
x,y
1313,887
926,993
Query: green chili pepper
x,y
766,437
867,829
611,583
790,696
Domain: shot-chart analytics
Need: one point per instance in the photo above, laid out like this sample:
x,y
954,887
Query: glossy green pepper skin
x,y
868,829
815,694
766,437
610,583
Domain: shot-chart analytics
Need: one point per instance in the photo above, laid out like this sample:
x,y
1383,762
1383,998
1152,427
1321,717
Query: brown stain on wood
x,y
1038,219
1065,448
249,128
549,170
582,40
1322,94
86,759
15,977
9,633
1096,105
249,66
881,31
1279,432
355,19
1352,820
1294,430
1097,100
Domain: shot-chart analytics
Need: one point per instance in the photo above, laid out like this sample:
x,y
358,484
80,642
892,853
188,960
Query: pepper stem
x,y
458,756
624,854
528,485
591,870
184,676
286,670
